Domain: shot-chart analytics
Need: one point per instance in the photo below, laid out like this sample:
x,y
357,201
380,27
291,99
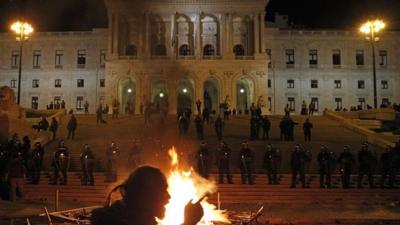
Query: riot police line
x,y
329,164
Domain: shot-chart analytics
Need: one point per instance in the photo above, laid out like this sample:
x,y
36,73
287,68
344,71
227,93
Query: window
x,y
385,84
360,57
314,83
313,54
57,102
14,59
361,84
59,58
338,84
316,103
35,102
269,83
102,82
131,50
103,54
290,58
80,83
383,58
13,83
361,103
184,50
79,102
57,83
160,50
35,83
209,50
339,104
81,58
269,57
385,101
36,58
290,83
292,103
336,60
238,50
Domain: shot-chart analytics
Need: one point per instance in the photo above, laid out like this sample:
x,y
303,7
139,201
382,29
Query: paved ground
x,y
155,135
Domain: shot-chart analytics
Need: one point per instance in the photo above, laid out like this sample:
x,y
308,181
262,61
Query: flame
x,y
185,186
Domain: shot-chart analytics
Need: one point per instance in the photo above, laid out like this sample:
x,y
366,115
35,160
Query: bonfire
x,y
184,186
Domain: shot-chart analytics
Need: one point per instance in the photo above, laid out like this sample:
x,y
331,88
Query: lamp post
x,y
22,31
371,29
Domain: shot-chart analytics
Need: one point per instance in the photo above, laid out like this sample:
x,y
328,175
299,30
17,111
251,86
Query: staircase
x,y
260,193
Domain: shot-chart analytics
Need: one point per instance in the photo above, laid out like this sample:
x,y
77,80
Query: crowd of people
x,y
300,160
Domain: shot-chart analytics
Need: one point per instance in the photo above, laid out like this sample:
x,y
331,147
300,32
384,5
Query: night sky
x,y
67,15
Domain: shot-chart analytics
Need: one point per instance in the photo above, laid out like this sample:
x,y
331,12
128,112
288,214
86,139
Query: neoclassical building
x,y
184,51
181,51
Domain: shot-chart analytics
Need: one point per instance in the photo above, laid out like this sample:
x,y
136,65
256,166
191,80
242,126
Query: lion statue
x,y
7,98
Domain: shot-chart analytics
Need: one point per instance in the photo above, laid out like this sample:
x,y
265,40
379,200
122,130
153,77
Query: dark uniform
x,y
297,163
387,166
61,164
266,125
246,158
346,162
111,156
37,162
219,126
326,163
366,162
87,164
203,157
223,158
199,127
307,126
71,127
272,160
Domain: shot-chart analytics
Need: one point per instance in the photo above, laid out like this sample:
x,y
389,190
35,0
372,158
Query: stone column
x,y
198,36
229,37
221,34
173,37
262,30
116,35
110,34
147,52
256,28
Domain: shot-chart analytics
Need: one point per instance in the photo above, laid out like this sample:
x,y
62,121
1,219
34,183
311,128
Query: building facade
x,y
173,53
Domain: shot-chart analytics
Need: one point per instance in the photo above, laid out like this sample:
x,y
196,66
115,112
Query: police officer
x,y
272,160
223,159
297,163
246,158
203,157
37,162
266,125
366,162
325,159
61,163
87,164
387,166
112,153
307,126
219,127
346,161
199,127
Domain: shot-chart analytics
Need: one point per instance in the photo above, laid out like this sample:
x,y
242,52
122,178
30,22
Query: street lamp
x,y
371,29
22,31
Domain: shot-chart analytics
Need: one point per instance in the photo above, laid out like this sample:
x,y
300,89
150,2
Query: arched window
x,y
160,50
209,50
238,50
131,50
184,50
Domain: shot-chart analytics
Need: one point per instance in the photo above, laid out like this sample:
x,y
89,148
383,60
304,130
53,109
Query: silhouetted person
x,y
144,196
16,175
219,127
346,162
246,157
266,125
199,127
54,127
71,127
223,161
61,164
37,162
366,162
388,165
87,164
203,156
112,153
297,163
307,126
272,160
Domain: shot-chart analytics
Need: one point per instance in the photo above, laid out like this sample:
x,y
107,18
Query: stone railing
x,y
371,136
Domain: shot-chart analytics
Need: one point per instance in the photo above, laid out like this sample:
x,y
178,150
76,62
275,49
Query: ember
x,y
185,186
